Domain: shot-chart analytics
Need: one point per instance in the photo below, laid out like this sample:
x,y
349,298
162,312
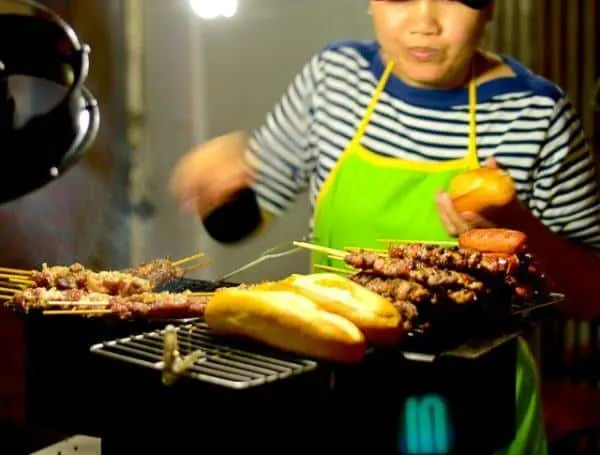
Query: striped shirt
x,y
525,122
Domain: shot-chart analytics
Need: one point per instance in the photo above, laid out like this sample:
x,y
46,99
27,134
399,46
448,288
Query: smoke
x,y
73,219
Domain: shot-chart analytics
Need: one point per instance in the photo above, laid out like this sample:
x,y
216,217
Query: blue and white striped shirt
x,y
525,122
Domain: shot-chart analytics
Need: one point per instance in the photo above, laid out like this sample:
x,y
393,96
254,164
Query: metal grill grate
x,y
227,364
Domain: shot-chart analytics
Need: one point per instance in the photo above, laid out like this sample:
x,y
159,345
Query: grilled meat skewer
x,y
413,270
143,278
393,288
76,276
147,305
457,259
406,290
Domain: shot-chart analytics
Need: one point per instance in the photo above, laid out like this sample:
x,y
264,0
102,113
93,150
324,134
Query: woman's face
x,y
431,42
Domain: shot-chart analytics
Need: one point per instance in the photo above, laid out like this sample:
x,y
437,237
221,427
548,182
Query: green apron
x,y
369,197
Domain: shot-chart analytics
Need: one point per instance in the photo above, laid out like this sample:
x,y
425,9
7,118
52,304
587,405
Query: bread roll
x,y
480,189
378,319
287,321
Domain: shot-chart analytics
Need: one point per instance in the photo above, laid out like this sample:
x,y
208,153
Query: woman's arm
x,y
561,216
237,182
563,221
573,268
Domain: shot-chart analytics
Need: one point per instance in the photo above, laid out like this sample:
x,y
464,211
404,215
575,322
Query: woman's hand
x,y
456,223
207,176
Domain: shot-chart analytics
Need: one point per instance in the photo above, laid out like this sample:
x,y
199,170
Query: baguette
x,y
287,321
374,315
494,240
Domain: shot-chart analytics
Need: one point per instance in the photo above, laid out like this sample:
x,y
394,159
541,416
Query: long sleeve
x,y
279,151
566,193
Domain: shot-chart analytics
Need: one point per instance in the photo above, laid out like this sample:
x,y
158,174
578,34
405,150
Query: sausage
x,y
494,240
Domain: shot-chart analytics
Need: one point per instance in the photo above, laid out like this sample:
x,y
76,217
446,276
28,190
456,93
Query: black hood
x,y
476,4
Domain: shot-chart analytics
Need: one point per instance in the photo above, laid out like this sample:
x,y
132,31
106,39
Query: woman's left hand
x,y
456,223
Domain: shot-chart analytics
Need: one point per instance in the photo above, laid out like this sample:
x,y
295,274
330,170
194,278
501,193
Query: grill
x,y
240,365
232,365
255,392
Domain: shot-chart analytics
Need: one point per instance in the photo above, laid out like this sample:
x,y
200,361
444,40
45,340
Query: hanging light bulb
x,y
213,9
229,8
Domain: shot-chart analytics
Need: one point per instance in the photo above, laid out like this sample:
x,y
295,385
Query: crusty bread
x,y
285,320
374,315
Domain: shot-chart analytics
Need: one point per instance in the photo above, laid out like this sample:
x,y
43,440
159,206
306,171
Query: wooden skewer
x,y
372,250
9,290
12,277
424,242
197,266
202,294
81,312
14,286
78,303
333,269
22,281
16,271
188,259
321,249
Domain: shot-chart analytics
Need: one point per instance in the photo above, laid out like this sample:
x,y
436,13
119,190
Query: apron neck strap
x,y
373,103
471,158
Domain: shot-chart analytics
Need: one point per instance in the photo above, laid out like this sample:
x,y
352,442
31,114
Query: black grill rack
x,y
226,363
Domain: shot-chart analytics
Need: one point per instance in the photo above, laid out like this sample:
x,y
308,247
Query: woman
x,y
375,131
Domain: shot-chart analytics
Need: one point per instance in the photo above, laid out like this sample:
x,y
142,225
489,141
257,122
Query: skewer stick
x,y
13,277
188,259
76,303
371,250
201,294
338,254
197,266
424,242
22,281
80,312
14,286
16,271
333,269
9,290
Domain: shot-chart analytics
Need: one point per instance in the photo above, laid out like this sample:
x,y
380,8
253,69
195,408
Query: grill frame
x,y
249,365
464,342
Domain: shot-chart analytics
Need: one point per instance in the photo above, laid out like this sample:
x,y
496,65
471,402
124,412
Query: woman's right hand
x,y
208,175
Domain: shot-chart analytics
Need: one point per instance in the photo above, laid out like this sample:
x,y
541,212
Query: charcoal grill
x,y
233,365
65,384
314,405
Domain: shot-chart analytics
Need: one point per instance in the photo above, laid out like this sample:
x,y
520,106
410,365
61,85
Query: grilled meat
x,y
158,271
158,305
410,269
135,280
76,276
393,288
147,305
37,298
457,259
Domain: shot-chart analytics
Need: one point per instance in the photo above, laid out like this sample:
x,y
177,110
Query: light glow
x,y
214,9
